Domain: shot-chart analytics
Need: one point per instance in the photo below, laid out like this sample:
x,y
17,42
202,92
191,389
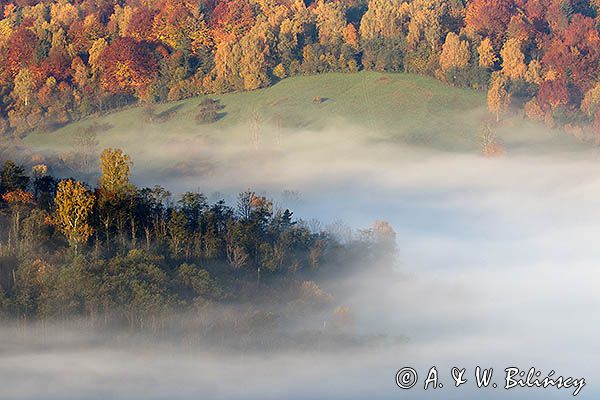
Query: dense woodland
x,y
124,254
61,60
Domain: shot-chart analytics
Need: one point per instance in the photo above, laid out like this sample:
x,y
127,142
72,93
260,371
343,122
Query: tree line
x,y
61,60
124,253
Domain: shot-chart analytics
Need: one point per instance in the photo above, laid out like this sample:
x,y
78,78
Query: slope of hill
x,y
404,108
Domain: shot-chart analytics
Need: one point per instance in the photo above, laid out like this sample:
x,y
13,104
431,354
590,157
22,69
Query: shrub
x,y
521,91
472,76
208,111
279,71
489,145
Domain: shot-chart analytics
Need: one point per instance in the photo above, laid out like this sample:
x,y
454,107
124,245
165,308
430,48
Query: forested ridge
x,y
132,255
62,60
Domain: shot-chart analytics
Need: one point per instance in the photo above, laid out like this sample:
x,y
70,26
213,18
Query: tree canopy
x,y
60,61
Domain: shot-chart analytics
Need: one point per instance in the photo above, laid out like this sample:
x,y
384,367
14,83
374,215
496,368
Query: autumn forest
x,y
63,60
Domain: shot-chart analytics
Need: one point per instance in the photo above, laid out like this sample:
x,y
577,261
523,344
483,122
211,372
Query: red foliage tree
x,y
583,40
45,96
576,34
576,52
558,57
534,9
231,18
21,52
57,64
140,24
78,38
555,15
520,28
489,17
553,93
127,66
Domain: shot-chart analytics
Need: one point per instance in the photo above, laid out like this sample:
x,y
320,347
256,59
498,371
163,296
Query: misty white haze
x,y
497,267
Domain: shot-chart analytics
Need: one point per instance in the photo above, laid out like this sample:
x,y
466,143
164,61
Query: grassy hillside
x,y
406,108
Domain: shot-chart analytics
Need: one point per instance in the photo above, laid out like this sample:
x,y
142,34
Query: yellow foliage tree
x,y
95,52
59,40
426,22
591,100
81,74
254,49
74,205
513,60
180,26
24,86
242,64
534,72
6,29
331,21
115,169
384,19
487,56
498,98
119,20
63,13
455,52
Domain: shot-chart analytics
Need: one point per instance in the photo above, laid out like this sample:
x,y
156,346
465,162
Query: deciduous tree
x,y
127,66
74,204
455,53
331,21
21,52
384,19
487,55
513,60
553,93
488,18
115,169
498,98
426,23
24,86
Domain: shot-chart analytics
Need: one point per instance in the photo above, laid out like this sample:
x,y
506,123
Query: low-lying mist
x,y
497,267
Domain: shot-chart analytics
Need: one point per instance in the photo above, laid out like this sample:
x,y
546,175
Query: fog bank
x,y
498,267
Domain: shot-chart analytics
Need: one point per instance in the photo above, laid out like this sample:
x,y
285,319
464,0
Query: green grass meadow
x,y
401,108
